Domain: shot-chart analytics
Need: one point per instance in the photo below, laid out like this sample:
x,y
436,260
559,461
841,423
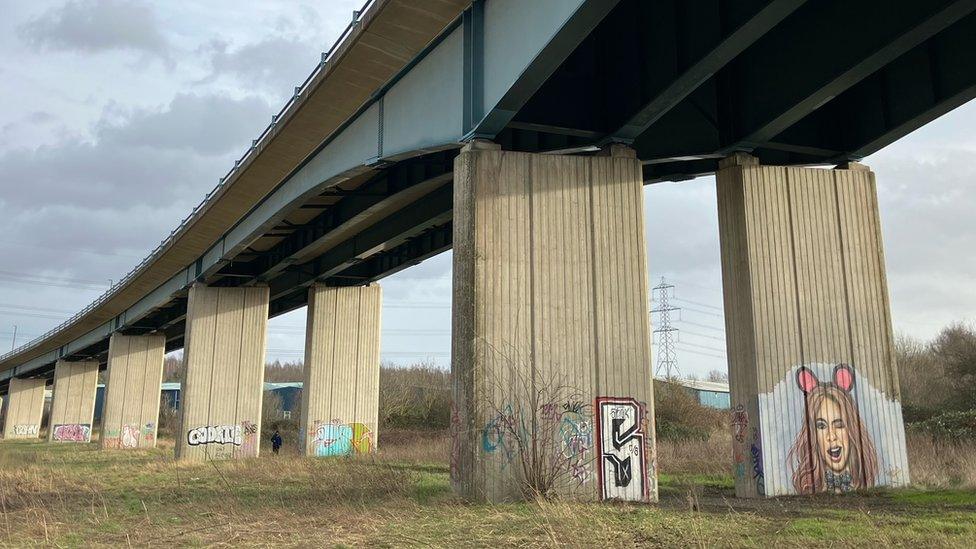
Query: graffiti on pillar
x,y
27,430
740,423
71,432
576,437
757,463
249,440
215,434
621,448
148,433
334,438
833,451
129,437
498,435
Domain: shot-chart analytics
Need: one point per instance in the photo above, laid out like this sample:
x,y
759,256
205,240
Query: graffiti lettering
x,y
339,439
26,430
740,422
215,434
576,434
71,432
757,465
574,406
620,436
130,436
497,433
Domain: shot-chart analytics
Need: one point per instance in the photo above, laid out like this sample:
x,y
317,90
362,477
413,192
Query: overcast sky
x,y
117,117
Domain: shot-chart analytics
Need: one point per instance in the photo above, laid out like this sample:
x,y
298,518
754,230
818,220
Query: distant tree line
x,y
938,382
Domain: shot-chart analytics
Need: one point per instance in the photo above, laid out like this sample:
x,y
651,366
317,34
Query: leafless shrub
x,y
544,424
414,397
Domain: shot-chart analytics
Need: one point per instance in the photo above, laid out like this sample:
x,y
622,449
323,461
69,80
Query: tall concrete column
x,y
132,391
340,398
551,341
224,379
815,401
73,401
25,407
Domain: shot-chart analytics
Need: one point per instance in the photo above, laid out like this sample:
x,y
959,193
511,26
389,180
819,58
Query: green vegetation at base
x,y
75,495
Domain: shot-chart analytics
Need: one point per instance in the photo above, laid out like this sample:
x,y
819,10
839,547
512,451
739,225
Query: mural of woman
x,y
833,451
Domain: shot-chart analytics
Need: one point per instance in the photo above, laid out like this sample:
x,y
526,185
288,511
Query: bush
x,y
417,397
679,416
950,425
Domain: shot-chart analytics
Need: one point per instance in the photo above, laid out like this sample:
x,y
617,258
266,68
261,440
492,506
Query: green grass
x,y
75,495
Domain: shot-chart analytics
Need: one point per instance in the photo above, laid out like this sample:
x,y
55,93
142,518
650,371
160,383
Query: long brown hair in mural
x,y
833,451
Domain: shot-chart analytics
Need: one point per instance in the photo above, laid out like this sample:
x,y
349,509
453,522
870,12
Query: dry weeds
x,y
77,495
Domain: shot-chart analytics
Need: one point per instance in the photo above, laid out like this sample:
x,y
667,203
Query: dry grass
x,y
940,463
76,495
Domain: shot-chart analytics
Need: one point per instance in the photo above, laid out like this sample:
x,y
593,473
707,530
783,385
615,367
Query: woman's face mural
x,y
832,435
833,451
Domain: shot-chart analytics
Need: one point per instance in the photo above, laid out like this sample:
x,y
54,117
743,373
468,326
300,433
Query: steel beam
x,y
724,52
797,68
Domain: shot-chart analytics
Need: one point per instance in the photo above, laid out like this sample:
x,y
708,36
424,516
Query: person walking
x,y
276,442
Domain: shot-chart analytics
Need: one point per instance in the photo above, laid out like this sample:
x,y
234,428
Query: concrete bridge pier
x,y
25,407
340,400
132,391
224,380
815,400
73,401
551,346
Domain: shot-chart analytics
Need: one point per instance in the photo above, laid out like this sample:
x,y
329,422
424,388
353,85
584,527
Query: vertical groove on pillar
x,y
224,377
819,356
550,324
340,399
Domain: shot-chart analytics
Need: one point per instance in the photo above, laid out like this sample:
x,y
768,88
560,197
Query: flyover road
x,y
352,180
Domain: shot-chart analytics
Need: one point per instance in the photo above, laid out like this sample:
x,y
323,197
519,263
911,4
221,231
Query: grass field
x,y
70,495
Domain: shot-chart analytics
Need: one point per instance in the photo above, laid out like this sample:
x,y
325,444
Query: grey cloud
x,y
97,25
274,65
208,125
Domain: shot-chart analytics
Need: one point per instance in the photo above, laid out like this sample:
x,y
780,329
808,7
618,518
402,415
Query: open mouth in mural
x,y
835,452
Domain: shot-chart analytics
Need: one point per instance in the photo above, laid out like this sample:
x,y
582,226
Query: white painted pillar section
x,y
224,380
132,391
340,399
25,407
551,338
73,401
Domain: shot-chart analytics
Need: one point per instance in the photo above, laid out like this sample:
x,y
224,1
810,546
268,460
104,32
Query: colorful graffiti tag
x,y
498,435
129,438
25,430
621,447
71,432
576,437
740,423
335,438
833,451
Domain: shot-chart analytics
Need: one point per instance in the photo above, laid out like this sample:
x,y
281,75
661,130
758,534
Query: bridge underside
x,y
684,83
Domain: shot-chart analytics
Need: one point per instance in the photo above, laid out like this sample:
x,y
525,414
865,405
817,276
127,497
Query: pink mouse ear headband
x,y
843,378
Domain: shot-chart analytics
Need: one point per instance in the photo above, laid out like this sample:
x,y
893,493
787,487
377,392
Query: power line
x,y
699,303
703,335
706,326
701,312
706,347
702,354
